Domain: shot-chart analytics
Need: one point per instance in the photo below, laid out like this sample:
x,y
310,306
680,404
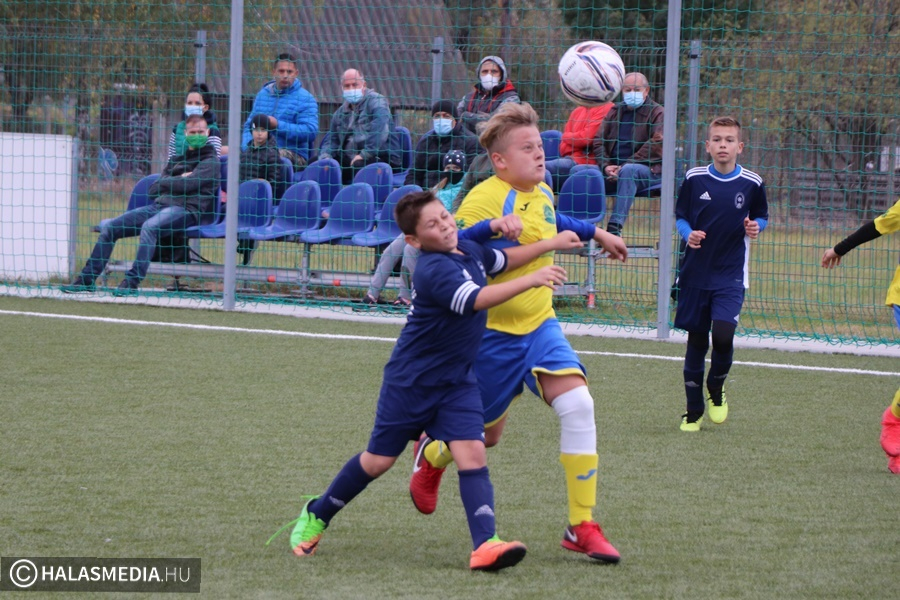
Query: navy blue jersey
x,y
438,344
717,204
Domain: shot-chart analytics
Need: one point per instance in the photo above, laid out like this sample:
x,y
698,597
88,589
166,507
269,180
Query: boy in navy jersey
x,y
720,208
429,382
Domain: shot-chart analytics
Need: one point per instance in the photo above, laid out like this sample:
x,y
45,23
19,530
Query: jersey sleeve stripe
x,y
499,262
458,303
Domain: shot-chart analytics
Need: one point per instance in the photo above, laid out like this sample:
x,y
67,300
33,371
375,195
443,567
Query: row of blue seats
x,y
352,209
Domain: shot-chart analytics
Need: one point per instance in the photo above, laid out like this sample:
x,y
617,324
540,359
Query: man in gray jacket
x,y
184,193
360,130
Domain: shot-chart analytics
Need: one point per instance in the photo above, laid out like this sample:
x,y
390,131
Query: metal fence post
x,y
437,68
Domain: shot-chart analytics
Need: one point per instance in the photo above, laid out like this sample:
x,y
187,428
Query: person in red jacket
x,y
576,145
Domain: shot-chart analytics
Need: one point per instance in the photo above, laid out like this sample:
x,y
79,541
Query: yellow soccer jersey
x,y
889,222
495,198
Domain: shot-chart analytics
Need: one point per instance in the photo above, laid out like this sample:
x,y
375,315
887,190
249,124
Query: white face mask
x,y
353,96
193,109
489,82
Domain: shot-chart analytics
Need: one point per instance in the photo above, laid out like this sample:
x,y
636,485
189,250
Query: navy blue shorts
x,y
449,414
697,308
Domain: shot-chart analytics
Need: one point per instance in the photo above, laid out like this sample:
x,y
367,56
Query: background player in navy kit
x,y
429,382
720,208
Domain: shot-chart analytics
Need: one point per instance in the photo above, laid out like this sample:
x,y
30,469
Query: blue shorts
x,y
697,308
897,314
449,414
507,362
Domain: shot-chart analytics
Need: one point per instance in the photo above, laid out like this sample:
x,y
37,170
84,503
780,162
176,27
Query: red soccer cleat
x,y
426,479
890,433
588,538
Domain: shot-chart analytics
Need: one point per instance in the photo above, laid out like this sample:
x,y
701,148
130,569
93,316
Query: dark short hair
x,y
194,119
408,209
285,57
203,90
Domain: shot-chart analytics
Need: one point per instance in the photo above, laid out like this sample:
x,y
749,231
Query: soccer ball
x,y
591,73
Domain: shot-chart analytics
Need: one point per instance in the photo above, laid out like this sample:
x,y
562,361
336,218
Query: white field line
x,y
334,336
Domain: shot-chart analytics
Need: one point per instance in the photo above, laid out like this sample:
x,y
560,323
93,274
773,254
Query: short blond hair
x,y
724,121
509,116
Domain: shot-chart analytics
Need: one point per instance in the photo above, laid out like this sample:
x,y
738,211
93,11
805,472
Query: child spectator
x,y
720,208
454,165
197,102
429,382
261,159
889,222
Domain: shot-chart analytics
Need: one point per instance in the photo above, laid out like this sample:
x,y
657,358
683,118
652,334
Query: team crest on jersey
x,y
739,200
460,224
466,275
549,215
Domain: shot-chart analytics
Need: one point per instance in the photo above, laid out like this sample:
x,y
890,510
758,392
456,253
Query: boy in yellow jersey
x,y
524,344
889,222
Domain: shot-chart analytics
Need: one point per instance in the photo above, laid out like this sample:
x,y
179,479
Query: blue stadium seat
x,y
380,177
352,212
138,197
386,228
406,155
583,196
327,173
254,210
299,210
551,139
548,178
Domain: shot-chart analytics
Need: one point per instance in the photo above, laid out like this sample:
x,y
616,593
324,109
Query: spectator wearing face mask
x,y
455,164
448,134
196,102
493,90
628,147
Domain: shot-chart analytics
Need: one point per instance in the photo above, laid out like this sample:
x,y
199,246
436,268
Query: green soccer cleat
x,y
718,410
307,532
691,423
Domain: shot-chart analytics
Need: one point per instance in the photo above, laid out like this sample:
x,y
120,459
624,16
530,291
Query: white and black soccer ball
x,y
591,73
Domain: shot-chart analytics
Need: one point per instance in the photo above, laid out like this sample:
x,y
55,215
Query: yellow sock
x,y
437,453
895,405
581,485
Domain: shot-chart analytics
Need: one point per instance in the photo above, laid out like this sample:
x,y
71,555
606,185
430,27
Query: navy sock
x,y
722,356
694,366
346,486
720,365
477,495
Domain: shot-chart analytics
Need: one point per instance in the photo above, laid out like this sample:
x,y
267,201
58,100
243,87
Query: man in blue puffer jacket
x,y
294,112
360,130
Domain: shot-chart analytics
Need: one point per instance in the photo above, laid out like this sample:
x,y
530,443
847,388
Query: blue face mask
x,y
191,109
353,96
443,126
633,99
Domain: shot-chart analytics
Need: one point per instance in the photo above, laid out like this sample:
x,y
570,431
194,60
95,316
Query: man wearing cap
x,y
447,134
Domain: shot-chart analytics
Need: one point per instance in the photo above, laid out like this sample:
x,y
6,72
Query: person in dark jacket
x,y
628,147
261,159
184,193
448,134
492,91
360,130
197,102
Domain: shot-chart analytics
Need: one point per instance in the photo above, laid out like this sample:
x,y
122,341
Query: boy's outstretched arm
x,y
498,293
516,256
866,233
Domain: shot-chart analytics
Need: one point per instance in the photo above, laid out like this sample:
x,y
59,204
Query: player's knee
x,y
578,430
